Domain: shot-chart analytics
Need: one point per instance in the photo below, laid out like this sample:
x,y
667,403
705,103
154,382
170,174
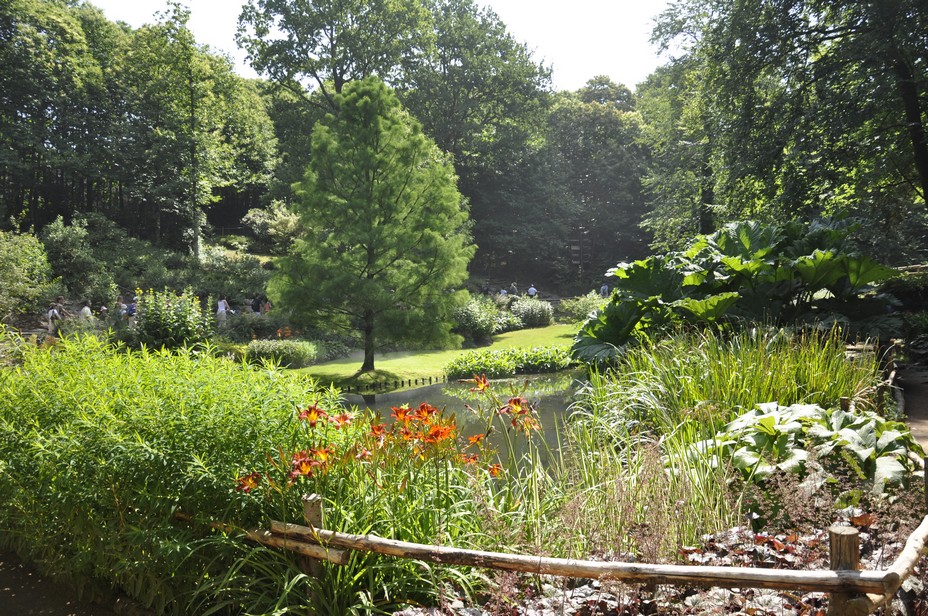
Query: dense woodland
x,y
771,110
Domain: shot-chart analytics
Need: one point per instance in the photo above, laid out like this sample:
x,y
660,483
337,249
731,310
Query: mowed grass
x,y
411,365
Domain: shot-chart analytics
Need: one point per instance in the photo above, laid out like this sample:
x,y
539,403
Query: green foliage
x,y
910,288
578,309
386,238
501,363
25,274
247,326
477,319
707,379
70,253
805,439
533,312
287,353
275,228
507,322
168,320
745,272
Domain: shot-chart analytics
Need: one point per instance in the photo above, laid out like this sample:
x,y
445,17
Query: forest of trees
x,y
768,109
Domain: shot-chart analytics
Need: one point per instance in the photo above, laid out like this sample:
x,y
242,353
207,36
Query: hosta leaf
x,y
794,460
889,471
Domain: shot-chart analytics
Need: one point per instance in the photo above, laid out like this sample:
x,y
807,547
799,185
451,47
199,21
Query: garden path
x,y
914,382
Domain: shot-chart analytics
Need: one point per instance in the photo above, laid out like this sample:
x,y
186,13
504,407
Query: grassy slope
x,y
406,365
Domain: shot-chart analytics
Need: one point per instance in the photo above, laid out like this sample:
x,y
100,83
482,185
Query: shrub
x,y
507,322
274,228
578,309
170,321
533,312
477,319
25,274
501,363
248,326
288,353
910,288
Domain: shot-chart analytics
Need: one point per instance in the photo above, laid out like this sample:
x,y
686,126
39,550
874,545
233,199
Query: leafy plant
x,y
168,320
477,319
533,312
25,274
578,309
508,362
745,272
773,437
288,353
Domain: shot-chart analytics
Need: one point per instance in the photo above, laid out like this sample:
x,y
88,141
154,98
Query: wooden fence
x,y
852,592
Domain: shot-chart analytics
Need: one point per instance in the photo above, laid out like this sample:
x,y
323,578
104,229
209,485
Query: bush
x,y
533,312
578,309
507,322
249,326
501,363
477,319
910,288
25,274
166,320
288,353
274,228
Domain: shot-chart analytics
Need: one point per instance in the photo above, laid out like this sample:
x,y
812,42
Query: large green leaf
x,y
749,239
859,271
606,333
648,278
711,308
820,269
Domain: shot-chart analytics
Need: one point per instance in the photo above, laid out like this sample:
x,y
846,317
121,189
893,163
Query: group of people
x,y
259,305
57,312
513,290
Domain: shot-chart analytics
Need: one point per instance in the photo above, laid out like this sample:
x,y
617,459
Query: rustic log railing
x,y
851,592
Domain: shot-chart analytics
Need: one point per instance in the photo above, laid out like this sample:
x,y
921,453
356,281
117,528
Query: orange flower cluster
x,y
522,414
248,483
285,332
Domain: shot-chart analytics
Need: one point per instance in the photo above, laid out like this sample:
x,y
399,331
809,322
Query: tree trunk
x,y
368,365
908,91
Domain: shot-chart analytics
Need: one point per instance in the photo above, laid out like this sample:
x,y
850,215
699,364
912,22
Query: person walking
x,y
532,291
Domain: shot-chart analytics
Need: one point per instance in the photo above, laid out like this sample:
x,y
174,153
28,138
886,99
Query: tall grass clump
x,y
638,481
100,449
710,379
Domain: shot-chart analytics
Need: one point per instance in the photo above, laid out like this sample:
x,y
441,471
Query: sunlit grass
x,y
412,365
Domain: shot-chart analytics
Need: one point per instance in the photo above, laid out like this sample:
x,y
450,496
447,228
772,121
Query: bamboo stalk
x,y
877,582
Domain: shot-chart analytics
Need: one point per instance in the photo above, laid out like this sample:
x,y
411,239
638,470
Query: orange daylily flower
x,y
481,383
495,470
475,439
313,415
469,458
437,434
323,454
248,483
516,406
401,413
342,420
304,468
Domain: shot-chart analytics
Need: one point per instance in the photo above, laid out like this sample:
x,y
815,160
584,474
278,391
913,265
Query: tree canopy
x,y
386,241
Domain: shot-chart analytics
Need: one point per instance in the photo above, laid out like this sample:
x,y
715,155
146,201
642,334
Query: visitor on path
x,y
503,293
513,289
86,314
122,311
59,306
222,311
257,304
266,308
532,291
54,319
604,290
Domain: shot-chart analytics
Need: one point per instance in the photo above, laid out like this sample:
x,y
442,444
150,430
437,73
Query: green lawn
x,y
406,365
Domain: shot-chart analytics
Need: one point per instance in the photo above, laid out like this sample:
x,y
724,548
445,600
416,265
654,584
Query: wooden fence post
x,y
312,515
844,550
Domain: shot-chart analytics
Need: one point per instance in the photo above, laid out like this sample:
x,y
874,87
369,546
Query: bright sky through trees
x,y
580,38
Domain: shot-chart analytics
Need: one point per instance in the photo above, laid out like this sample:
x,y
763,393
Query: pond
x,y
551,394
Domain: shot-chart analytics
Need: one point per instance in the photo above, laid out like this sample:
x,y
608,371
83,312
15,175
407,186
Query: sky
x,y
579,39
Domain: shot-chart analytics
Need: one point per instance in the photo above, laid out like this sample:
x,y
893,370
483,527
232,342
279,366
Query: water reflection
x,y
550,393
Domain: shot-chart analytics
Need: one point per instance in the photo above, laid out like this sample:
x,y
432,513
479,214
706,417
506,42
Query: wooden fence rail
x,y
852,592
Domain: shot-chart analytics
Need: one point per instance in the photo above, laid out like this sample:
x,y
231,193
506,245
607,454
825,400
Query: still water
x,y
551,394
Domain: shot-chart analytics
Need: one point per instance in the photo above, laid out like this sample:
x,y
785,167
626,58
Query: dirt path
x,y
914,383
23,592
